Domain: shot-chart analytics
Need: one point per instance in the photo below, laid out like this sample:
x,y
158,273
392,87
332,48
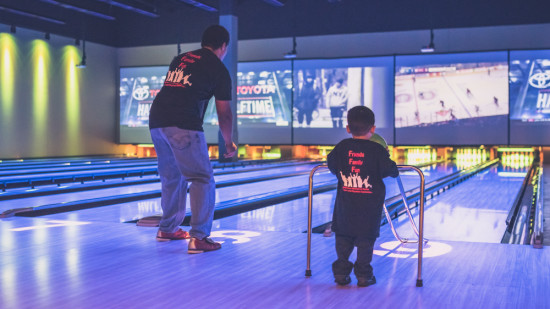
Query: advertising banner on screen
x,y
264,95
136,96
138,88
530,97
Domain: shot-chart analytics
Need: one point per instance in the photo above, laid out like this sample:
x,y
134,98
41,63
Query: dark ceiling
x,y
125,23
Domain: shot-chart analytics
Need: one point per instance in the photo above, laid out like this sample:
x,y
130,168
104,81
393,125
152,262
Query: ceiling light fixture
x,y
292,54
82,64
431,47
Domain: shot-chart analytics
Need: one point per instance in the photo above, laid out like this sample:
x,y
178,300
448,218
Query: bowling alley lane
x,y
292,216
50,189
73,161
473,211
75,169
136,210
79,196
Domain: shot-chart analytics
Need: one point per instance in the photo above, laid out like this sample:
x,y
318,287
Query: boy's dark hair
x,y
360,120
214,37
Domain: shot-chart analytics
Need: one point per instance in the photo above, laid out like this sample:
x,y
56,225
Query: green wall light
x,y
72,96
8,50
40,55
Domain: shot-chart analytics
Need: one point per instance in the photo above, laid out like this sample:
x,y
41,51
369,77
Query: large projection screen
x,y
530,97
324,90
138,88
452,99
264,91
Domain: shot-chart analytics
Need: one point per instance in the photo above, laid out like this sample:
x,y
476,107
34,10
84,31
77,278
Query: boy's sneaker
x,y
177,235
363,282
202,245
342,280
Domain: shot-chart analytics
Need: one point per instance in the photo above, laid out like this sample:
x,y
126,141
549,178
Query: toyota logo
x,y
540,80
141,93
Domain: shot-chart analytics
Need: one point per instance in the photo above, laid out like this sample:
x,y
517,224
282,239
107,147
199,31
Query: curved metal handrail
x,y
408,210
420,231
419,282
537,238
310,211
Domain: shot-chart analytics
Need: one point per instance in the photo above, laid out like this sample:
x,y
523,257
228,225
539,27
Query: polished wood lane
x,y
113,265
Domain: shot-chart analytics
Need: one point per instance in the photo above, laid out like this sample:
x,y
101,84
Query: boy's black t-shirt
x,y
192,79
360,165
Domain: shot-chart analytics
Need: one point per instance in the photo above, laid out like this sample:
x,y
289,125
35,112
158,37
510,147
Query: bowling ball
x,y
380,140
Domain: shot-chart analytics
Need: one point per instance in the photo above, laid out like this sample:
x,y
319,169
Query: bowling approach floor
x,y
89,259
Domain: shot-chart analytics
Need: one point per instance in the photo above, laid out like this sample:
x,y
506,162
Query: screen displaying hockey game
x,y
530,97
452,99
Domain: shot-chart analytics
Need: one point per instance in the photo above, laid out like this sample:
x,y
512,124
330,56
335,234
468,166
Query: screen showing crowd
x,y
324,90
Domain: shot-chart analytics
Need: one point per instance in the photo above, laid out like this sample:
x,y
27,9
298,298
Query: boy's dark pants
x,y
344,247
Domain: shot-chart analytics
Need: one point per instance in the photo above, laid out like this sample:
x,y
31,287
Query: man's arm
x,y
225,118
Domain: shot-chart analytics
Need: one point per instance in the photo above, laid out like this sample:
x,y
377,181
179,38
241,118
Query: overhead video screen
x,y
264,91
452,99
138,88
530,97
326,89
263,103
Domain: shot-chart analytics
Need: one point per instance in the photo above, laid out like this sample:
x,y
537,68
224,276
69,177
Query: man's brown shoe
x,y
177,235
202,245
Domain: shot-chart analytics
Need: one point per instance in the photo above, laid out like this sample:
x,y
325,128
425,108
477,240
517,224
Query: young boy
x,y
360,165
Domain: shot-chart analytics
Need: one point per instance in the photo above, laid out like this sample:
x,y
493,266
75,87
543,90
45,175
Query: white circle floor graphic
x,y
237,237
396,249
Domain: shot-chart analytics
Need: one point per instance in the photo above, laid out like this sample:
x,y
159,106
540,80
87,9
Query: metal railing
x,y
408,210
521,217
537,238
419,231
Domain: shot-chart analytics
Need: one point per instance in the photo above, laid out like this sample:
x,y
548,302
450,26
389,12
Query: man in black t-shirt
x,y
360,166
175,122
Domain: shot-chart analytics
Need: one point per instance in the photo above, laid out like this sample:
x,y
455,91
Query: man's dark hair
x,y
214,37
360,120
